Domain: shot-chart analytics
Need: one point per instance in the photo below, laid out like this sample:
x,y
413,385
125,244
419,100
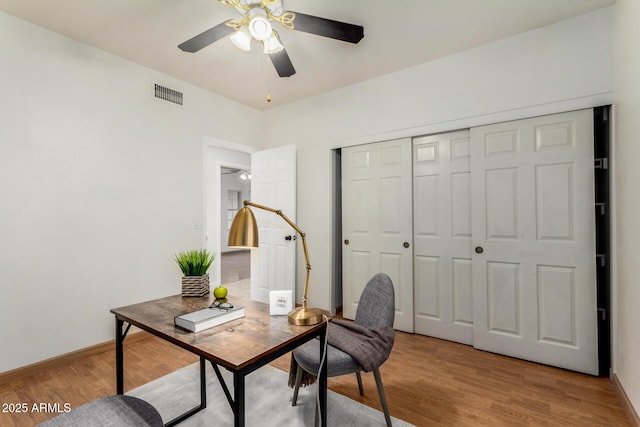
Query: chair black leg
x,y
383,398
360,389
294,400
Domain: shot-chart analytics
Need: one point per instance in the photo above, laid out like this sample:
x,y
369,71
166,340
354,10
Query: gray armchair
x,y
376,308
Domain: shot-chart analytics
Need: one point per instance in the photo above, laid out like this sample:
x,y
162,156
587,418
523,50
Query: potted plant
x,y
194,265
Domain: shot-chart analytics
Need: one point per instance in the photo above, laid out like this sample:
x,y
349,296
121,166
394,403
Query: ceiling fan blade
x,y
328,28
205,38
282,63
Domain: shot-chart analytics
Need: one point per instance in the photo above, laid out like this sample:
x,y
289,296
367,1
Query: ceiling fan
x,y
256,24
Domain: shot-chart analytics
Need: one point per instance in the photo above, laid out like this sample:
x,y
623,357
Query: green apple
x,y
220,292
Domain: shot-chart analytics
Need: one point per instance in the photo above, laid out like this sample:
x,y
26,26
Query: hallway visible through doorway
x,y
236,272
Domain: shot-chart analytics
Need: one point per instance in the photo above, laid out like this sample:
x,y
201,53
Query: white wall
x,y
627,176
100,185
557,68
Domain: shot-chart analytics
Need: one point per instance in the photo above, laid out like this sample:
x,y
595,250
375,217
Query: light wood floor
x,y
427,382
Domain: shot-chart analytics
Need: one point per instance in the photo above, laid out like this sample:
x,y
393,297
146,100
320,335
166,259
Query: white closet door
x,y
376,223
534,281
442,236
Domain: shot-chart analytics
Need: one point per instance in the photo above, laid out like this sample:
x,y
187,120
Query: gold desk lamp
x,y
244,233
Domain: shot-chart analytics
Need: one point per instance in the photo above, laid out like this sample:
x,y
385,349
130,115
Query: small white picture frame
x,y
280,302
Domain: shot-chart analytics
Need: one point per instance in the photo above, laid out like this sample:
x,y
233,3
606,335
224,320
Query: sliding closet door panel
x,y
533,222
376,222
442,235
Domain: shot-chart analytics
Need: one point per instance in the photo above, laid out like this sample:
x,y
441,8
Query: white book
x,y
208,318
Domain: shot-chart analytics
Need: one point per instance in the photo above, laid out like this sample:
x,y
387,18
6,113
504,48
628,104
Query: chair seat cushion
x,y
338,362
112,411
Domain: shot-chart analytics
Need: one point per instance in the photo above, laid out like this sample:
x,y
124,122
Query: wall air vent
x,y
167,94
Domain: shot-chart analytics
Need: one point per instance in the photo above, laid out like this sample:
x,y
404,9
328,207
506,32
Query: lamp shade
x,y
242,39
244,230
272,44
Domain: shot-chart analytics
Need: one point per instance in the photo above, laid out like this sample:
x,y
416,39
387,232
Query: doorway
x,y
219,154
272,183
235,264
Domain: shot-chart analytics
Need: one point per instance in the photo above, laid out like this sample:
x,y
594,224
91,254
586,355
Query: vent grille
x,y
167,94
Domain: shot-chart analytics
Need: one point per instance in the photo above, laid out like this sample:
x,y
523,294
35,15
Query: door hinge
x,y
602,258
602,312
603,208
601,163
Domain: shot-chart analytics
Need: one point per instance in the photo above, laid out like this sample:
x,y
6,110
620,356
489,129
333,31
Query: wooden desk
x,y
241,346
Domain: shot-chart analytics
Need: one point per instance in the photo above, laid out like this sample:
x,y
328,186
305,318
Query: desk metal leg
x,y
238,398
203,383
322,381
203,398
121,333
237,401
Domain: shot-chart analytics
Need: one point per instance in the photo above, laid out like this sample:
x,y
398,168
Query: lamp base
x,y
305,316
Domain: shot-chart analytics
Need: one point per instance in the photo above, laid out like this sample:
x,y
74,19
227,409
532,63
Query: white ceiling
x,y
398,34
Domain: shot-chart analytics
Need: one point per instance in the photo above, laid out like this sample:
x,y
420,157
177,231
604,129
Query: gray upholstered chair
x,y
375,308
111,411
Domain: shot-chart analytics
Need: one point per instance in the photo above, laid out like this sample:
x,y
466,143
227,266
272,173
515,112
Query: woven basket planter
x,y
195,286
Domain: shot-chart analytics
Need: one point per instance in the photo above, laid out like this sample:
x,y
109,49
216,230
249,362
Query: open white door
x,y
534,283
273,184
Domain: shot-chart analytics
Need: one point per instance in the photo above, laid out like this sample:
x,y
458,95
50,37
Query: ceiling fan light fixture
x,y
255,23
242,39
260,28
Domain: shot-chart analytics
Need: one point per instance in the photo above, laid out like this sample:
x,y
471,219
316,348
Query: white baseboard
x,y
628,407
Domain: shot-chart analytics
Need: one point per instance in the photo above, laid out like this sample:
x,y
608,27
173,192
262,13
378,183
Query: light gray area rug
x,y
267,401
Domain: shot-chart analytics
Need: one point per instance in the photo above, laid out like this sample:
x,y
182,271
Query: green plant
x,y
196,262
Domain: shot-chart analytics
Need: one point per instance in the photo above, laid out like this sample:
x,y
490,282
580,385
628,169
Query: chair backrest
x,y
377,305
